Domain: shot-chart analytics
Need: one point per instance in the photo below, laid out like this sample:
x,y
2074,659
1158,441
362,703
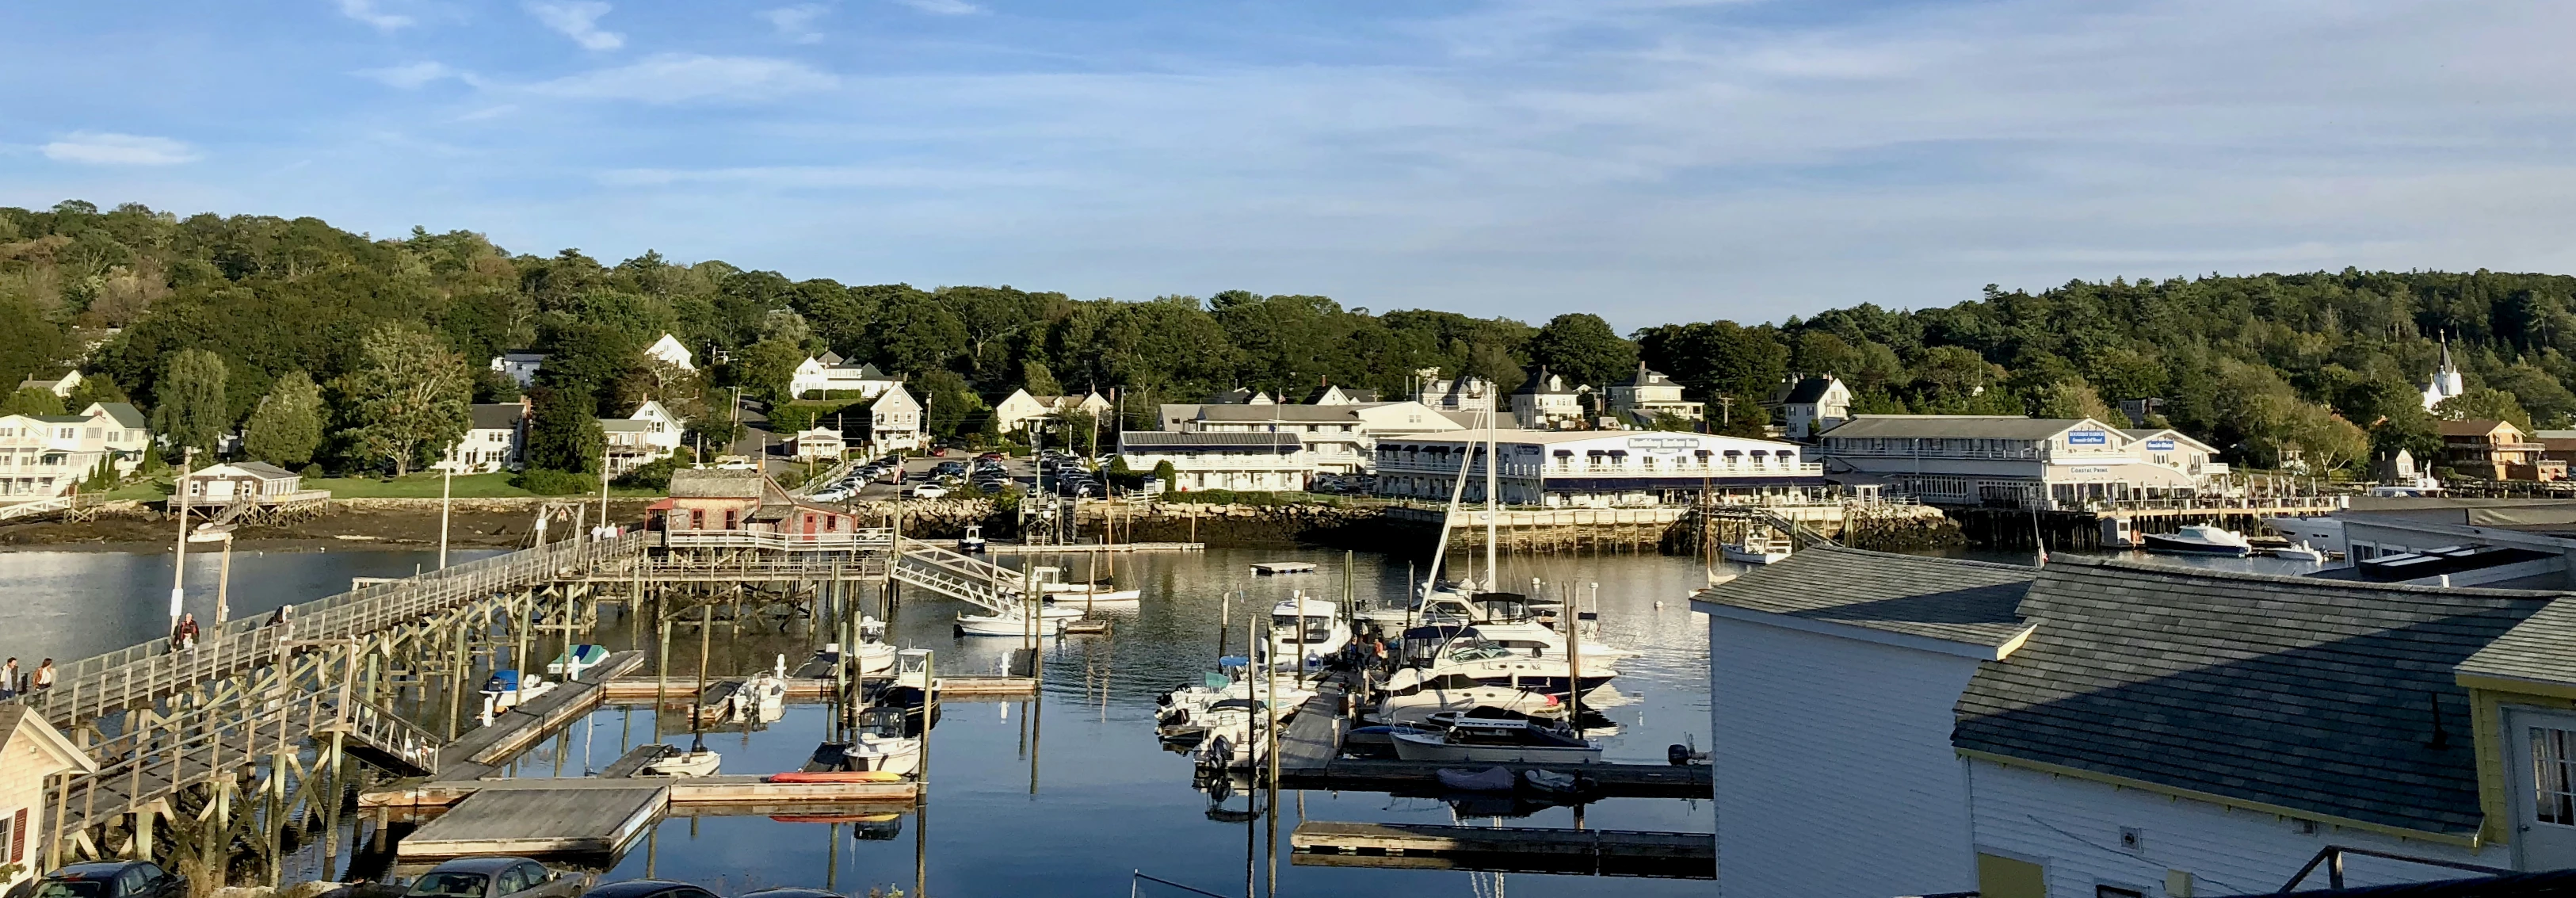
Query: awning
x,y
664,504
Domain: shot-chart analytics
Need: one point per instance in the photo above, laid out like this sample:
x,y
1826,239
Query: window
x,y
731,518
2552,770
10,826
2112,891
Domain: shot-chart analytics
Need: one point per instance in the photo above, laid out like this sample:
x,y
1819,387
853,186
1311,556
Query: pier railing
x,y
843,541
140,674
975,581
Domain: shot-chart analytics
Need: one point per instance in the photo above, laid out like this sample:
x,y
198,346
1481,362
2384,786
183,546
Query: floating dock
x,y
970,686
691,791
1284,567
641,690
487,749
1422,777
1607,852
593,821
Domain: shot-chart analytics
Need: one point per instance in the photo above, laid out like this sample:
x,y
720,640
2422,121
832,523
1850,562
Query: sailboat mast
x,y
1493,502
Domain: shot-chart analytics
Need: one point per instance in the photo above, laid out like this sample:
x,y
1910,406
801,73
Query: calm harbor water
x,y
1063,793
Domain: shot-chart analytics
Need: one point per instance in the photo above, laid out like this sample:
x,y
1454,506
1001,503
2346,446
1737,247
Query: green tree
x,y
190,408
1035,378
2074,399
32,401
952,403
286,428
1582,347
2484,404
563,435
765,369
410,396
94,388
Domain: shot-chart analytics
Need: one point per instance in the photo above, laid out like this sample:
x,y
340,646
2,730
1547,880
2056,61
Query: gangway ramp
x,y
968,579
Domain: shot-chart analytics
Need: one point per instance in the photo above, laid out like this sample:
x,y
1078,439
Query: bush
x,y
785,419
653,475
312,470
550,482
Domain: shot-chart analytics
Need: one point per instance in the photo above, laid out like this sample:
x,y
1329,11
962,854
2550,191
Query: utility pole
x,y
446,488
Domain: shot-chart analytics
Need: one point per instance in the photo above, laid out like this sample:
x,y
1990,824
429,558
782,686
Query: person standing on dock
x,y
45,675
183,635
9,679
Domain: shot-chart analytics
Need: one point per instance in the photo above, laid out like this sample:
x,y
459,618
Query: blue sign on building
x,y
2088,438
2160,445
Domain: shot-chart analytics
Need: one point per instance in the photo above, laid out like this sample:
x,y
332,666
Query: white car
x,y
929,491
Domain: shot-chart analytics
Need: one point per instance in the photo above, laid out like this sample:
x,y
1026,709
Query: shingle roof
x,y
2000,427
1808,391
496,415
2475,427
1142,439
124,414
715,483
1938,598
2541,649
1335,413
2300,693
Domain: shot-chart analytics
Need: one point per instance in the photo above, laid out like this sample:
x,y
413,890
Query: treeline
x,y
2327,364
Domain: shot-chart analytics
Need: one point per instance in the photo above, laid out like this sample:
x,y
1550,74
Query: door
x,y
2544,788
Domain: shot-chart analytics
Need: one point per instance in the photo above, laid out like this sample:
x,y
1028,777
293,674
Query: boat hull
x,y
1747,556
985,625
1422,747
2157,542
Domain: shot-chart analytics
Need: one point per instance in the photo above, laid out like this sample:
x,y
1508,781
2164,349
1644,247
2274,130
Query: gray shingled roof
x,y
1993,427
1808,391
1939,598
715,483
496,415
2295,692
1159,439
2541,649
124,414
1332,414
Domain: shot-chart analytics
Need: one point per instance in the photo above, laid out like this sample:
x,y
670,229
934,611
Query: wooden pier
x,y
691,791
1091,548
681,691
1604,852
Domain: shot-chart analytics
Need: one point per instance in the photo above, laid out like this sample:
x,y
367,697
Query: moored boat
x,y
2199,539
1486,740
577,659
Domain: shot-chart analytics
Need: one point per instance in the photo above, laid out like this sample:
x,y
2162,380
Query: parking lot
x,y
1015,474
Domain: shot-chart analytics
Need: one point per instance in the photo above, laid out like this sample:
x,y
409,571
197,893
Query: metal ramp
x,y
385,740
977,582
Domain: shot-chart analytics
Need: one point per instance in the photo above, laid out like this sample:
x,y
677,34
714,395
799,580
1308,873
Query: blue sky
x,y
1649,160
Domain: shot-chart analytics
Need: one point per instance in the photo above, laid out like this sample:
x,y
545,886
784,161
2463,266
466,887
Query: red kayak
x,y
836,776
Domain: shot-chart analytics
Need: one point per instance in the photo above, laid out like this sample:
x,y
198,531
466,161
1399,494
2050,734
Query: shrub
x,y
312,470
550,482
653,475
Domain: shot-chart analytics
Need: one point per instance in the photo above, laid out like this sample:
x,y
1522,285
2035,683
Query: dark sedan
x,y
648,888
493,877
113,879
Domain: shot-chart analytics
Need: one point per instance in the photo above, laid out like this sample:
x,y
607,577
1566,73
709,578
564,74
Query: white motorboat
x,y
2300,551
880,744
1234,746
507,689
912,670
699,760
1307,629
872,656
1541,642
2325,534
761,699
1494,665
1101,591
1412,698
1771,549
973,542
1183,710
1008,625
577,659
1488,741
2199,539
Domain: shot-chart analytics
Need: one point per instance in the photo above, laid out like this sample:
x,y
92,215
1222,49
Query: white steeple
x,y
2446,379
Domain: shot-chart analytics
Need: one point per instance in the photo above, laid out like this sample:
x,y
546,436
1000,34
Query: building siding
x,y
2073,826
22,788
1833,765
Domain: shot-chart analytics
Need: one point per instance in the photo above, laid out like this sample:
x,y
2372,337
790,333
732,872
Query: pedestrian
x,y
45,675
183,637
9,678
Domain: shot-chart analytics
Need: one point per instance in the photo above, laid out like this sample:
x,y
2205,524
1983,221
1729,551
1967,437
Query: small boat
x,y
1758,550
2199,539
579,658
2300,551
973,542
1008,625
1284,567
880,745
1485,740
699,760
507,689
761,700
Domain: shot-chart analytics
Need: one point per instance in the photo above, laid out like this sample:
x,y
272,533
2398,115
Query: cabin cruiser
x,y
1307,629
2199,539
882,743
1539,641
1492,664
1771,549
1413,697
1487,741
1449,605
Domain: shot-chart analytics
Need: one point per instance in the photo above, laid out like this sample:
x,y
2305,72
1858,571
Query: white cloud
x,y
366,11
414,75
943,7
579,20
676,77
796,23
108,148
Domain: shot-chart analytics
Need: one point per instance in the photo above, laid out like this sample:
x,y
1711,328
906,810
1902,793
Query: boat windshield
x,y
1479,651
463,884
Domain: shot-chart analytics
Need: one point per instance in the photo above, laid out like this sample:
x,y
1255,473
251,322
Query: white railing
x,y
842,541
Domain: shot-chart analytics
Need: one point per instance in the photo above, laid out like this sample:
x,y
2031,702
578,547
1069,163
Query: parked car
x,y
929,491
791,892
648,888
113,879
493,877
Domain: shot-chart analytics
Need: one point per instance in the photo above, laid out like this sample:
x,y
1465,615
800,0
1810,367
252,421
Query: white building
x,y
2127,728
818,377
1811,405
669,349
1595,468
1467,393
1244,461
495,440
1648,395
1329,394
519,367
32,753
42,456
650,434
1020,409
2446,381
894,420
819,444
1544,402
1337,439
2013,461
61,387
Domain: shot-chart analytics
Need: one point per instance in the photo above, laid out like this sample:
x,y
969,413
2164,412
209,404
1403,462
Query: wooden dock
x,y
641,690
1606,852
1313,738
1089,548
1422,777
594,821
972,686
488,749
693,791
